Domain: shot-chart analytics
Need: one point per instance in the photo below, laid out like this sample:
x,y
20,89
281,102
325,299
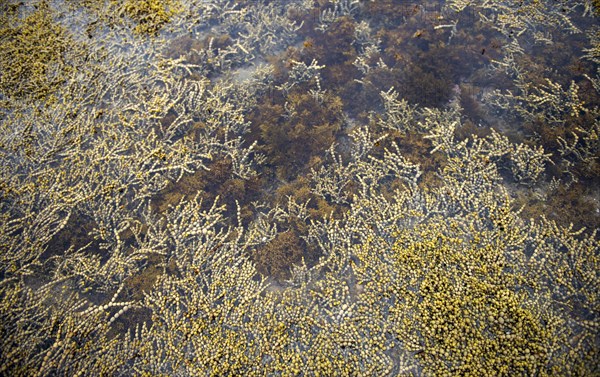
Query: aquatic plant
x,y
197,189
33,50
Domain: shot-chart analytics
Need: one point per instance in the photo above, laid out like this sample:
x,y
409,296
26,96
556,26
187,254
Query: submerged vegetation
x,y
332,187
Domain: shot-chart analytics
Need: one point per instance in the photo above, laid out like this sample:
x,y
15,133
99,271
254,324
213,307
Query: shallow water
x,y
299,188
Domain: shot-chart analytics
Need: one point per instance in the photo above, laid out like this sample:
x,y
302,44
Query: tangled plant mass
x,y
335,187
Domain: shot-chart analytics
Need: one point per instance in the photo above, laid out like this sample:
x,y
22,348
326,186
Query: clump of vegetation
x,y
291,137
150,15
275,258
32,54
464,312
